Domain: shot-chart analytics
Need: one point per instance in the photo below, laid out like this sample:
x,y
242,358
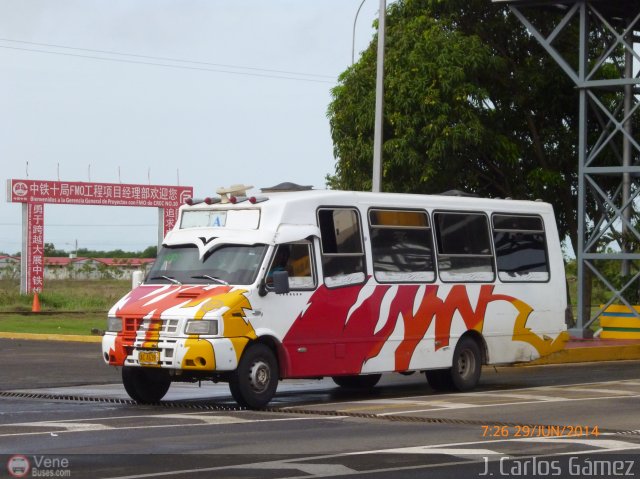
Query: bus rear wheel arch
x,y
254,382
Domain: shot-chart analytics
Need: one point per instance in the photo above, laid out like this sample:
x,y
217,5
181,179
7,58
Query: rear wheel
x,y
465,371
467,365
366,381
145,385
253,384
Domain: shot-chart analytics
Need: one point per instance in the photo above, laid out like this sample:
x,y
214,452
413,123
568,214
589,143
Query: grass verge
x,y
65,295
80,324
68,306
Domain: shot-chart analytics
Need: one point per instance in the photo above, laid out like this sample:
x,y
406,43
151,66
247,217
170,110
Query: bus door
x,y
335,332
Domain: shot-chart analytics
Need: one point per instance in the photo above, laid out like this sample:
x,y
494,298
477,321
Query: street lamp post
x,y
353,36
377,134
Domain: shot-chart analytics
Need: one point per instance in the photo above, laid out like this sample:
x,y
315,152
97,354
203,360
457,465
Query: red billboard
x,y
105,194
34,194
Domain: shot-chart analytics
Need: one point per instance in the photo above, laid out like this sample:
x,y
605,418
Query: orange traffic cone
x,y
35,308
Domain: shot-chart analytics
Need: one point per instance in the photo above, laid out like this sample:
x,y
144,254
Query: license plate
x,y
149,358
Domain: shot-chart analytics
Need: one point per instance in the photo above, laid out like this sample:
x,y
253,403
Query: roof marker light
x,y
237,199
193,201
211,201
257,199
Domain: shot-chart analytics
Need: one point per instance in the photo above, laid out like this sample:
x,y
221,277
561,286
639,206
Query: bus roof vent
x,y
286,186
459,193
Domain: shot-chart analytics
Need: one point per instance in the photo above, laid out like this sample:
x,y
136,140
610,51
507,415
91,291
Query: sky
x,y
202,93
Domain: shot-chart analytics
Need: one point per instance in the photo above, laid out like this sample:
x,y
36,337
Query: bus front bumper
x,y
181,353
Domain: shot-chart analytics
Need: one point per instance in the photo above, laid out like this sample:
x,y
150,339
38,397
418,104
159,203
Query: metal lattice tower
x,y
604,68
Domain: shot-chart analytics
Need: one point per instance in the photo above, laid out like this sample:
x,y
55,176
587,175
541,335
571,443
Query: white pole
x,y
353,37
377,134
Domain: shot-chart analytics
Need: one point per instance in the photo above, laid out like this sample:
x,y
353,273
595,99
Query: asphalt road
x,y
561,421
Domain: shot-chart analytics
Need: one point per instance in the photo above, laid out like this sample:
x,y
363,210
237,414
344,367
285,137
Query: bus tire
x,y
253,384
365,381
467,365
145,385
439,379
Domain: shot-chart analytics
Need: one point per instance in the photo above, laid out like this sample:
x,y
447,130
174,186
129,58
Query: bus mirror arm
x,y
281,282
262,289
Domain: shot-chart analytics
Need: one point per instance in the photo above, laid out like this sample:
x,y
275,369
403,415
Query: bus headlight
x,y
114,325
201,326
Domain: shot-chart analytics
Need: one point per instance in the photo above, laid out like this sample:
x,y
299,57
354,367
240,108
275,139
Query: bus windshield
x,y
226,264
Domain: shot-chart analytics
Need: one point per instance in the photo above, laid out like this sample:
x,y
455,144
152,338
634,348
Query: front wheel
x,y
365,381
145,385
253,384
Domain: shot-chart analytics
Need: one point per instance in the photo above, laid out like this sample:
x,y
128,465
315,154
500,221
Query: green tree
x,y
51,251
149,252
472,102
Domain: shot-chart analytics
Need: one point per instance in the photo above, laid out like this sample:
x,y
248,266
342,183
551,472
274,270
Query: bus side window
x,y
464,247
342,250
295,259
521,248
401,246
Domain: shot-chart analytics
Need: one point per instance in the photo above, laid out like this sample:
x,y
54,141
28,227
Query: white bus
x,y
301,283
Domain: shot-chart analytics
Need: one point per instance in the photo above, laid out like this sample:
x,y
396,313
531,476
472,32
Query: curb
x,y
75,338
590,354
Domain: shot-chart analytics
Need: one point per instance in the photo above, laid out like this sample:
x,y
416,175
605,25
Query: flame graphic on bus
x,y
145,308
355,323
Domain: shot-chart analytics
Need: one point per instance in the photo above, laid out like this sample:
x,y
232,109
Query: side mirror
x,y
281,282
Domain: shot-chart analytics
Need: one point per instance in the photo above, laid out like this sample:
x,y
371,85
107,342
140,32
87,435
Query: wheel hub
x,y
259,376
466,363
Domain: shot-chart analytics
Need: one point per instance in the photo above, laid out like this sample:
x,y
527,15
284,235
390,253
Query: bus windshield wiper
x,y
212,278
168,278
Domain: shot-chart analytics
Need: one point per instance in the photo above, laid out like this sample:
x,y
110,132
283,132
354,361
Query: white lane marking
x,y
509,404
312,469
602,391
79,425
459,452
400,402
532,397
606,444
69,428
207,419
630,382
133,416
384,402
451,405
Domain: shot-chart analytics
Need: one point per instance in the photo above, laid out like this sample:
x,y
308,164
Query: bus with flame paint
x,y
303,283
